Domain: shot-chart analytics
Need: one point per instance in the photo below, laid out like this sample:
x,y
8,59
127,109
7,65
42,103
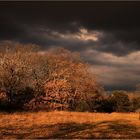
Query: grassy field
x,y
69,125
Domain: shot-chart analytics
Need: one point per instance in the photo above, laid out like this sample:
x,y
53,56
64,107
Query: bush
x,y
82,107
70,80
135,104
22,74
55,78
120,101
106,106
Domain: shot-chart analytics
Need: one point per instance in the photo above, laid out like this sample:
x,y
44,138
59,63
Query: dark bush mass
x,y
120,101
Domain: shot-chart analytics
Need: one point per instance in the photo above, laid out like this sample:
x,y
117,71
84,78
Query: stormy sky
x,y
107,34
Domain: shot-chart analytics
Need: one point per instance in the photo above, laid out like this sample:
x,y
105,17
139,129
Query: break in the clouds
x,y
107,34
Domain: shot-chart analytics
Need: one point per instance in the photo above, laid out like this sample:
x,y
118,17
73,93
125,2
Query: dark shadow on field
x,y
105,129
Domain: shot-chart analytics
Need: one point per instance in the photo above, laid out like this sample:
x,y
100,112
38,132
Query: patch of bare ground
x,y
60,124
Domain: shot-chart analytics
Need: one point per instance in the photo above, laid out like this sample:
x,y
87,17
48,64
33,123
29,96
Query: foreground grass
x,y
69,125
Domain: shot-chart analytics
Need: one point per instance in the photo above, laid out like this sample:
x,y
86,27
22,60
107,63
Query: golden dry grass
x,y
59,124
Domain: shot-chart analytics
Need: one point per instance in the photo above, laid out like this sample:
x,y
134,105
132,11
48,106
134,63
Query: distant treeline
x,y
56,79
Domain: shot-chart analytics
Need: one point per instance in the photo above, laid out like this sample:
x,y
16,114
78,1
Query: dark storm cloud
x,y
68,16
101,15
118,20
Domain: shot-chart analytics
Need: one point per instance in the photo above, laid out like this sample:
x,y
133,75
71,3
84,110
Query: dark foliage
x,y
120,102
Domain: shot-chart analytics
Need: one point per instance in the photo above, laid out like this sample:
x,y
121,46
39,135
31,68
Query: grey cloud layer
x,y
116,72
100,40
